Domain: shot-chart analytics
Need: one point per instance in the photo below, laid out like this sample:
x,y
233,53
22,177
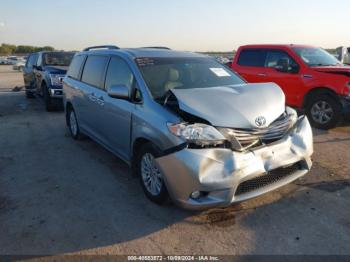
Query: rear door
x,y
250,64
114,115
72,87
28,72
91,89
290,81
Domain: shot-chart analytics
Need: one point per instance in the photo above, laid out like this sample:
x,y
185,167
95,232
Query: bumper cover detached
x,y
223,176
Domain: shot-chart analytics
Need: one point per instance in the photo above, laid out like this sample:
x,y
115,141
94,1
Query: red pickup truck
x,y
312,79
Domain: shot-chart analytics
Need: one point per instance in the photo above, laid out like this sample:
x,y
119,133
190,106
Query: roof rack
x,y
101,47
157,47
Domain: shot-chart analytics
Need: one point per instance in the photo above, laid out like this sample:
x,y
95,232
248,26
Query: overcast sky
x,y
201,25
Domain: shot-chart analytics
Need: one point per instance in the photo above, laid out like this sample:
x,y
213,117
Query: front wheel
x,y
323,112
49,105
151,177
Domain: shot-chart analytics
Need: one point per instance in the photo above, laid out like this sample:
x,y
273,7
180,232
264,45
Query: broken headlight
x,y
197,134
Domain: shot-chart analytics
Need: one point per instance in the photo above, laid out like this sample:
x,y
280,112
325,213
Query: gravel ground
x,y
59,196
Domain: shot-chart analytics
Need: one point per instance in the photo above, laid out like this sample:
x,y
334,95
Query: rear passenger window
x,y
75,66
252,57
119,73
94,70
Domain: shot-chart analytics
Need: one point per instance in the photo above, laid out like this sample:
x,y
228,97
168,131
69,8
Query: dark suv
x,y
43,74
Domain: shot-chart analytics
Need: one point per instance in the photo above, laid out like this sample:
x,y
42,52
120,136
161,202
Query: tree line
x,y
8,49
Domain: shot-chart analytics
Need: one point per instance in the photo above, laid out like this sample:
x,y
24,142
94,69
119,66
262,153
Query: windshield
x,y
164,74
316,56
58,59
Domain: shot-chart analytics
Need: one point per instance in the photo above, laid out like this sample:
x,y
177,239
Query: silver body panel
x,y
119,124
220,171
236,106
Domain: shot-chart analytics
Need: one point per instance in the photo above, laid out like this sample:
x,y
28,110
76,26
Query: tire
x,y
323,111
49,106
29,95
145,160
72,123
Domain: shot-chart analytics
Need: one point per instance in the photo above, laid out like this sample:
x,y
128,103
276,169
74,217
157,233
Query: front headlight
x,y
56,80
198,134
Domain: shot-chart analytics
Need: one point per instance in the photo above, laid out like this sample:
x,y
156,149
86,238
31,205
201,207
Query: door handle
x,y
92,97
100,101
261,74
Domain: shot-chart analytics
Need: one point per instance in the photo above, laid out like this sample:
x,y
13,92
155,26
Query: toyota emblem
x,y
260,121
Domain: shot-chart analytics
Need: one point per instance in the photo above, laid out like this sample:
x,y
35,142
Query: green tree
x,y
4,50
24,49
44,48
9,47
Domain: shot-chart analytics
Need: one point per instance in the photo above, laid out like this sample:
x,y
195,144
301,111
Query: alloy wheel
x,y
322,112
73,125
151,175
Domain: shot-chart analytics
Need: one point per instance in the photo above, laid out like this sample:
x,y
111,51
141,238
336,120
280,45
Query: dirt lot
x,y
59,196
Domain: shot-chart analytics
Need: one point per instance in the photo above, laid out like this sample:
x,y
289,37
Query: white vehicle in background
x,y
3,60
19,65
343,54
11,60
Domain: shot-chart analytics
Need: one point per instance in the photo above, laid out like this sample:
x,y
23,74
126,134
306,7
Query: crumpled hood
x,y
342,70
235,106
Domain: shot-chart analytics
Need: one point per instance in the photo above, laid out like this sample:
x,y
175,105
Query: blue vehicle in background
x,y
43,74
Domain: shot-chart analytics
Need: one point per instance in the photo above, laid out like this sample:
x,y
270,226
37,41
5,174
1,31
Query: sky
x,y
193,25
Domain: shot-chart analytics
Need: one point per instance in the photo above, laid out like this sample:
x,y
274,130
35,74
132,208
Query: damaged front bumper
x,y
204,178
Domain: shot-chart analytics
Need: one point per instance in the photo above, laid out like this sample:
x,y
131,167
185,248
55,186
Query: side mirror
x,y
282,65
118,91
294,69
228,64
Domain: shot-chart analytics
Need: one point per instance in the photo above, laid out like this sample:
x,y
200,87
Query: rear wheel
x,y
73,125
29,94
151,177
323,111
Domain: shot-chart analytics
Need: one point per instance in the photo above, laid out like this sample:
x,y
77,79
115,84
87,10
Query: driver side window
x,y
119,73
277,59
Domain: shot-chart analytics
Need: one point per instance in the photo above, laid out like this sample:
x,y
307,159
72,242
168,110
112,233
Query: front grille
x,y
247,138
267,179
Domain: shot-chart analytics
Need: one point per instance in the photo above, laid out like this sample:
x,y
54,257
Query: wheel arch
x,y
319,91
43,83
137,144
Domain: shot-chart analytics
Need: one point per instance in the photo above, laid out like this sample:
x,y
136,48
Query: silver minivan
x,y
190,128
